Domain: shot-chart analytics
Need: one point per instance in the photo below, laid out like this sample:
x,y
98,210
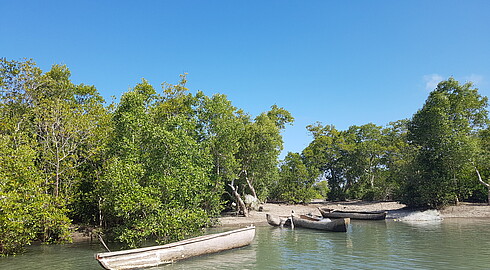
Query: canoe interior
x,y
309,217
357,212
164,254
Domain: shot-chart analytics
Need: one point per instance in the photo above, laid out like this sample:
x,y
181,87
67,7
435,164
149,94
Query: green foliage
x,y
482,164
158,169
52,127
220,126
260,145
321,189
362,162
324,156
26,212
427,161
280,117
331,154
295,183
16,192
155,166
158,165
164,226
443,132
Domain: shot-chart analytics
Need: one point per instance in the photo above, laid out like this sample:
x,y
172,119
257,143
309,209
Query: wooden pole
x,y
103,243
291,218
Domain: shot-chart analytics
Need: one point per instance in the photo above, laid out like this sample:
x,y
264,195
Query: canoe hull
x,y
330,213
334,225
158,255
278,221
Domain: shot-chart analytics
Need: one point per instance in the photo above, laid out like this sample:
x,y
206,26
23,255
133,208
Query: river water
x,y
450,244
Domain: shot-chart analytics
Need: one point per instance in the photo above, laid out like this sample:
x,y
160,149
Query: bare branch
x,y
481,180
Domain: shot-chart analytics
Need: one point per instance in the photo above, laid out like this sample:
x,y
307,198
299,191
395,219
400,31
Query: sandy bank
x,y
395,211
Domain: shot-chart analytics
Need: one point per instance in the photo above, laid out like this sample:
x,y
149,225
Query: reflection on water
x,y
450,244
243,258
70,256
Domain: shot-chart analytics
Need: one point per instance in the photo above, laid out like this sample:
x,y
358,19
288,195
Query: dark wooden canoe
x,y
367,215
311,222
326,224
158,255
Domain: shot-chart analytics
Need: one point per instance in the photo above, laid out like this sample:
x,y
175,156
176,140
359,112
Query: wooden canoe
x,y
169,253
278,220
326,224
367,215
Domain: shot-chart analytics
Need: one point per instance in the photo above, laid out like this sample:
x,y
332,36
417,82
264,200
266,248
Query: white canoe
x,y
158,255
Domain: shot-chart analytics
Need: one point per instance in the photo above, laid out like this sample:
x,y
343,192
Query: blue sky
x,y
336,62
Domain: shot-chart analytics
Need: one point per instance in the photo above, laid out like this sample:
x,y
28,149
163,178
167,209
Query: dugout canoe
x,y
318,223
169,253
278,220
310,222
365,215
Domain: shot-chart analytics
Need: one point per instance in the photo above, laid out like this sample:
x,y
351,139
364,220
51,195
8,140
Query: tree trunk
x,y
252,189
485,184
100,212
371,171
57,182
250,186
241,204
456,199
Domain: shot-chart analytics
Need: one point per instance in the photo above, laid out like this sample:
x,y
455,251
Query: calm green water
x,y
450,244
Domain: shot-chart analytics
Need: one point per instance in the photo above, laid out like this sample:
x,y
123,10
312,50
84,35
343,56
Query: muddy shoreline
x,y
395,211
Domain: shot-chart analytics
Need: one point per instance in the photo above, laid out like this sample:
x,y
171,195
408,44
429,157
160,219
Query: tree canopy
x,y
157,165
161,164
444,132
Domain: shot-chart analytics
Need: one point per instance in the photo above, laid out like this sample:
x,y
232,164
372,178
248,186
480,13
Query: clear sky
x,y
336,62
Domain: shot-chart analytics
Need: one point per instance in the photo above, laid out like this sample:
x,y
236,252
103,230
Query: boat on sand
x,y
169,253
318,223
366,215
310,222
278,220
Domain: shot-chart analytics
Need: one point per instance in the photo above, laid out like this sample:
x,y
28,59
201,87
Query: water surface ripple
x,y
450,244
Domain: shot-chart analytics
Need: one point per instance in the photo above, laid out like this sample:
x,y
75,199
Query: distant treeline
x,y
163,164
438,157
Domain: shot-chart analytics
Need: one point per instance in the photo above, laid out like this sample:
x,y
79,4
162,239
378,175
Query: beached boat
x,y
278,220
367,215
318,223
311,222
158,255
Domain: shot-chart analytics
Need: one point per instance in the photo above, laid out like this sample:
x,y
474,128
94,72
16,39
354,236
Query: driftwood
x,y
241,204
250,185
